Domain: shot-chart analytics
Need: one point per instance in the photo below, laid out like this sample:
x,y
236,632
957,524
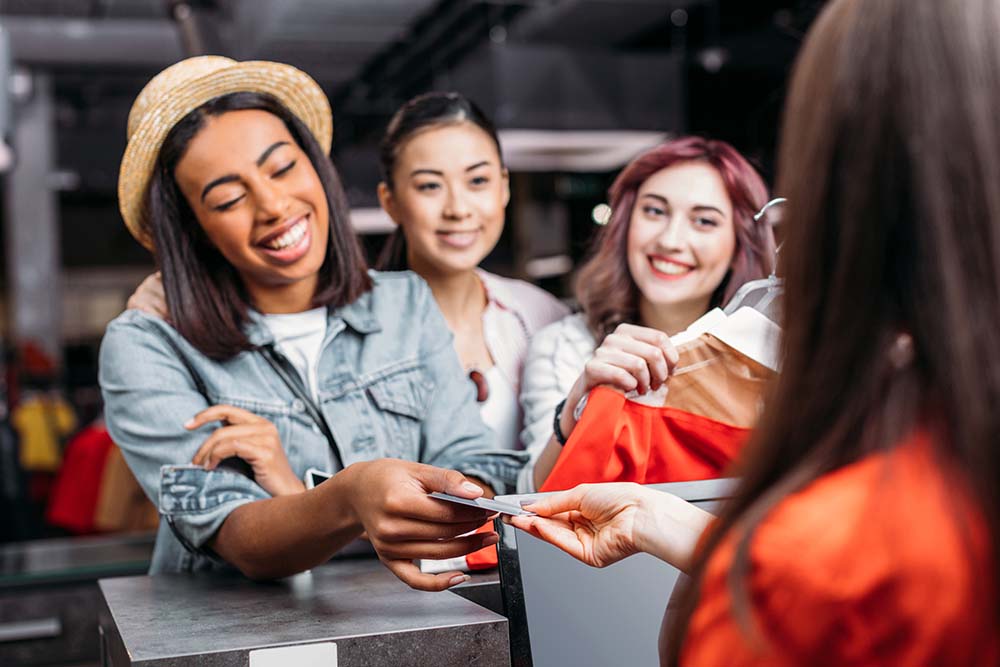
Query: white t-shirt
x,y
299,337
500,411
515,310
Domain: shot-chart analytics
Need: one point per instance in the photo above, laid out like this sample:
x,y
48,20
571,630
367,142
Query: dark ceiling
x,y
370,55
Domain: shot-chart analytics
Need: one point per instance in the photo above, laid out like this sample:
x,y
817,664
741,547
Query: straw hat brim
x,y
295,89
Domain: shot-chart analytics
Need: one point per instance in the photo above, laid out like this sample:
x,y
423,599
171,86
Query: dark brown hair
x,y
604,286
890,159
205,296
423,112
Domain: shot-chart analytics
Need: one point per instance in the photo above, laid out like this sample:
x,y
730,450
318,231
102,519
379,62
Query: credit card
x,y
485,504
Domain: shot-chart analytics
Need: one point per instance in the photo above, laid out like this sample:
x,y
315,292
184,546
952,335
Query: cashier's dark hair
x,y
423,112
890,158
206,299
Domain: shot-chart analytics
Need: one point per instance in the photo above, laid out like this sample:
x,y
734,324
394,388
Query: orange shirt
x,y
617,440
883,562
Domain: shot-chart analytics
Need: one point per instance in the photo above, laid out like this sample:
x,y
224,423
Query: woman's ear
x,y
387,201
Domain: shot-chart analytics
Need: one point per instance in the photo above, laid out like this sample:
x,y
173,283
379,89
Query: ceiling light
x,y
587,151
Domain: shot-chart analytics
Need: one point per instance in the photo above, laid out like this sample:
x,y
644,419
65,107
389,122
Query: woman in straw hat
x,y
865,529
283,352
445,186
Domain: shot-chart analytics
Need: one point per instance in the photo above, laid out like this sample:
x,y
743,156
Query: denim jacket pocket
x,y
402,400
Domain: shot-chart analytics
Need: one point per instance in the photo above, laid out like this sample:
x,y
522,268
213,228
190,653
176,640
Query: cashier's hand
x,y
598,524
150,298
251,438
630,358
390,499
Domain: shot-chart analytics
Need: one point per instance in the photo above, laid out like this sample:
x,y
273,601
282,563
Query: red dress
x,y
621,441
695,430
883,562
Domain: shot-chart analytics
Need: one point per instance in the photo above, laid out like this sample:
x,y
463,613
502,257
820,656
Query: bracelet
x,y
556,428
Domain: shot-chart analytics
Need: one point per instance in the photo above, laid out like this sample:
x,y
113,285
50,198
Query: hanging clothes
x,y
122,505
77,486
623,441
15,512
95,492
692,428
42,421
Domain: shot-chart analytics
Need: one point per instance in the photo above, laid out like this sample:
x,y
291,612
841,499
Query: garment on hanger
x,y
617,440
763,295
122,506
78,484
95,491
692,427
42,421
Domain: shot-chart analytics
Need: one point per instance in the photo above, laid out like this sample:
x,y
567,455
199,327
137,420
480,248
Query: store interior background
x,y
576,87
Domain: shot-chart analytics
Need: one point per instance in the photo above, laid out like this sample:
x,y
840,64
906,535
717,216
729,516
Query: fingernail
x,y
189,423
525,504
460,579
491,539
471,488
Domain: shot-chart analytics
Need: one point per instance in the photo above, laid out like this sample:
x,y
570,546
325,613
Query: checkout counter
x,y
349,612
85,602
357,605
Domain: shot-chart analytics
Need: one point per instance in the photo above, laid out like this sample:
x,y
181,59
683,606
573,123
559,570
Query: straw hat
x,y
183,87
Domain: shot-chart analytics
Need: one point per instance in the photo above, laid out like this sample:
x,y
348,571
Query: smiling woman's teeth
x,y
289,238
669,268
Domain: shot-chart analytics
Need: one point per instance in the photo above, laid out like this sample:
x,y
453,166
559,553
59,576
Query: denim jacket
x,y
390,385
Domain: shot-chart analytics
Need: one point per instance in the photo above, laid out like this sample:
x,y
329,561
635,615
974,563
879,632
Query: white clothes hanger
x,y
763,294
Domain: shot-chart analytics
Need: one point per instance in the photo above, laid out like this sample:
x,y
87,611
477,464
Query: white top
x,y
557,356
515,312
299,336
500,411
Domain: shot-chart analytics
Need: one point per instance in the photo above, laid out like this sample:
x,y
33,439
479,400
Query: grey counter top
x,y
373,618
74,559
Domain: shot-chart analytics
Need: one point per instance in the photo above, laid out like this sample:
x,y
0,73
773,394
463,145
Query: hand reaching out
x,y
594,523
390,499
600,524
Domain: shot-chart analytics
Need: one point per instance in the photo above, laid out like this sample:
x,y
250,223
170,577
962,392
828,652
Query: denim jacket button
x,y
298,406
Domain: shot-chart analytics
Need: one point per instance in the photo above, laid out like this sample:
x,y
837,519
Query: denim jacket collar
x,y
357,315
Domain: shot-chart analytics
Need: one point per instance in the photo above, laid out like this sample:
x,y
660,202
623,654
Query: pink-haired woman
x,y
681,240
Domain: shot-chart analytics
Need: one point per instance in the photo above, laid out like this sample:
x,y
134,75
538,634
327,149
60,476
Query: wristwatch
x,y
561,438
556,428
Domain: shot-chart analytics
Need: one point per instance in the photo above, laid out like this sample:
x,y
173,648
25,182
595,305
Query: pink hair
x,y
604,286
